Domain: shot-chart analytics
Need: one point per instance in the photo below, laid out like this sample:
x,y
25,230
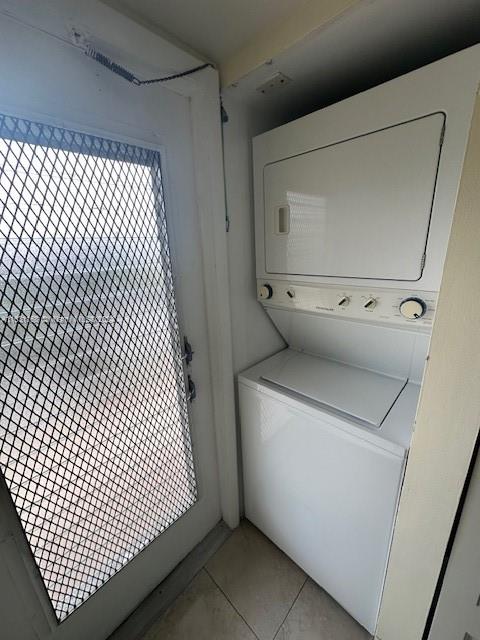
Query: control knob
x,y
413,308
343,301
265,292
370,304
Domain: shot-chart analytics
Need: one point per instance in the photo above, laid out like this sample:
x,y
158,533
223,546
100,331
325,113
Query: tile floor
x,y
250,590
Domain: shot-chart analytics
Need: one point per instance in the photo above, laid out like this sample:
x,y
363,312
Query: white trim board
x,y
211,206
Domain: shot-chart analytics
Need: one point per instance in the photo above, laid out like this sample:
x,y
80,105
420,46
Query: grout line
x,y
154,607
228,599
291,607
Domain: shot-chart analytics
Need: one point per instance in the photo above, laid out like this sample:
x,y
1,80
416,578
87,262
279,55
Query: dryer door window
x,y
359,208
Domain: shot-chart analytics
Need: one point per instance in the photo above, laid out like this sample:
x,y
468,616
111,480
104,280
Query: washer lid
x,y
352,391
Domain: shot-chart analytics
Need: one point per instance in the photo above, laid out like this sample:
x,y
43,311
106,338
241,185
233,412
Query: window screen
x,y
94,436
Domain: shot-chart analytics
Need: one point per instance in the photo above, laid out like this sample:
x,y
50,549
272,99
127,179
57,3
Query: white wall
x,y
446,425
254,335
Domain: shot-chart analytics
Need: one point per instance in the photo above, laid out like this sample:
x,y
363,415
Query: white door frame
x,y
130,43
104,25
134,40
457,608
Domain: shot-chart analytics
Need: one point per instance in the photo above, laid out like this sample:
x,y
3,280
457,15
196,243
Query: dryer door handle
x,y
282,220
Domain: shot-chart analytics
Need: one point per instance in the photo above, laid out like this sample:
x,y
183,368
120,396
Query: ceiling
x,y
214,28
351,45
374,42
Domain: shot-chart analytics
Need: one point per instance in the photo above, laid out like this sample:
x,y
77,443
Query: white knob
x,y
370,304
343,301
265,292
413,308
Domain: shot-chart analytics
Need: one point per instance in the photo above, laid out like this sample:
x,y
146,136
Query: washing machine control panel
x,y
391,306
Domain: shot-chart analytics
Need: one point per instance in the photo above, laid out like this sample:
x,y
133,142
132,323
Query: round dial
x,y
343,301
265,292
413,308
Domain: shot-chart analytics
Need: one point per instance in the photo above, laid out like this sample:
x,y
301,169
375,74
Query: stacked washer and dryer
x,y
353,209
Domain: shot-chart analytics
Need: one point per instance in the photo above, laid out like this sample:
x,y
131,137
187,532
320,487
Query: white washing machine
x,y
324,449
353,208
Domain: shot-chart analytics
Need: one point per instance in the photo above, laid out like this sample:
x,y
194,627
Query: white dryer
x,y
353,208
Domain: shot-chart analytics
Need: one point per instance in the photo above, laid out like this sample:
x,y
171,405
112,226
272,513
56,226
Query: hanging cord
x,y
100,57
223,122
129,76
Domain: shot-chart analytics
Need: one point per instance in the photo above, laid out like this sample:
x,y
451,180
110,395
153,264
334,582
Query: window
x,y
94,436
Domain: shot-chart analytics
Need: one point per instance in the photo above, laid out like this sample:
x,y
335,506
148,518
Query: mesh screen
x,y
94,437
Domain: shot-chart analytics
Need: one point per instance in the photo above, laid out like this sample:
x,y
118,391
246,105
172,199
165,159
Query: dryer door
x,y
359,208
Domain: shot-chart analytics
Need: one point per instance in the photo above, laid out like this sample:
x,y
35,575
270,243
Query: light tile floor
x,y
250,590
